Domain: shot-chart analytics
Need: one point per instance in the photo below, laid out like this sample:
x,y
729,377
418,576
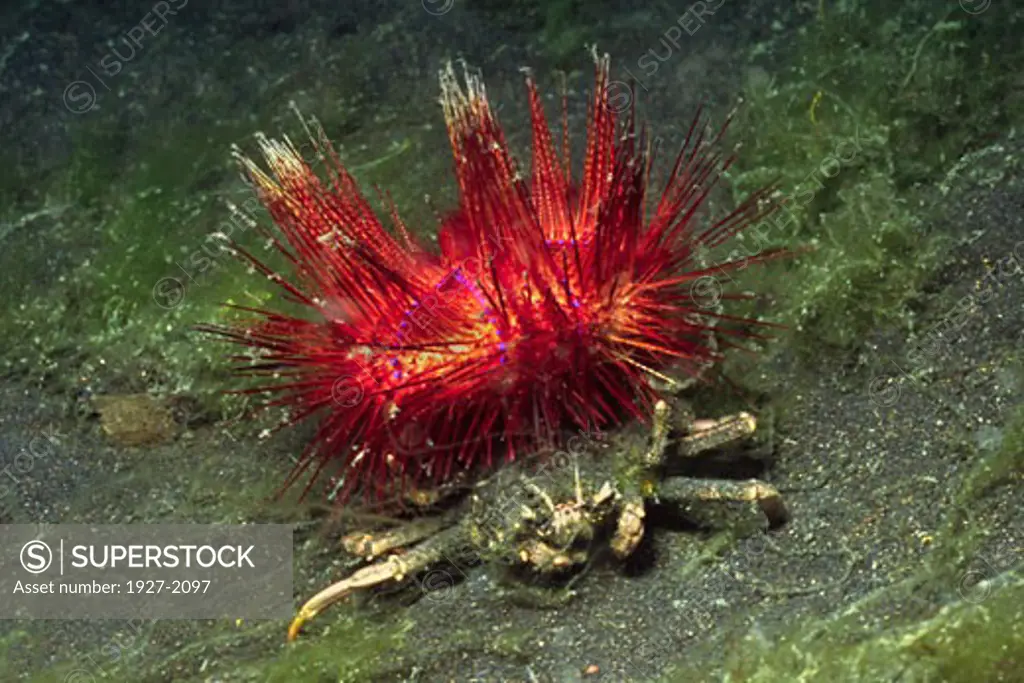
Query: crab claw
x,y
393,568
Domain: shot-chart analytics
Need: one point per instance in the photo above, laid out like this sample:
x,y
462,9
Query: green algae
x,y
865,117
352,651
1005,467
960,643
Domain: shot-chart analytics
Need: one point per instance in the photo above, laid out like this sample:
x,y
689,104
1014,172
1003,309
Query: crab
x,y
551,515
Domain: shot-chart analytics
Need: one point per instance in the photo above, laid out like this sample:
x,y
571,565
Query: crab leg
x,y
709,434
658,439
371,546
764,494
395,567
703,435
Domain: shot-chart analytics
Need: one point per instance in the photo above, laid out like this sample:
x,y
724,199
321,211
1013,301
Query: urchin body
x,y
552,300
551,516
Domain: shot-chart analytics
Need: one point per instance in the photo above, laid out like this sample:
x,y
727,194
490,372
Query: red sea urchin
x,y
421,365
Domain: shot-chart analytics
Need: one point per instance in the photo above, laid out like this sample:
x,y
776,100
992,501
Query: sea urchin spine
x,y
551,304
